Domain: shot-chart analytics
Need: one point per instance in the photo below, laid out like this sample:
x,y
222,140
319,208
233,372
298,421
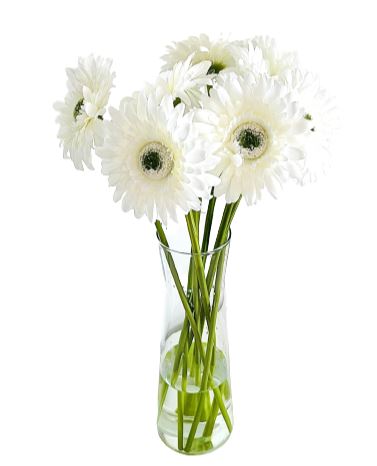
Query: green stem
x,y
180,348
189,278
208,429
198,342
208,224
210,424
223,410
178,285
180,408
200,273
184,369
197,218
208,356
235,207
222,236
228,215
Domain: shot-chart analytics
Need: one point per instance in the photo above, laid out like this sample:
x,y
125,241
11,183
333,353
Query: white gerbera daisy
x,y
81,114
249,58
320,112
255,125
220,53
184,83
277,61
155,159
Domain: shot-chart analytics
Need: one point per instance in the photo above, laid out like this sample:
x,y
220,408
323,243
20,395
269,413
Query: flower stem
x,y
223,410
191,320
228,215
208,356
180,407
180,348
191,332
181,398
198,262
208,224
208,429
178,285
222,235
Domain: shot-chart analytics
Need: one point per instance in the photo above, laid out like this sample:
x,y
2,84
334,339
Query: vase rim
x,y
189,253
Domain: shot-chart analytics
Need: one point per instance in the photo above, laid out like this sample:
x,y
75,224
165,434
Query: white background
x,y
81,286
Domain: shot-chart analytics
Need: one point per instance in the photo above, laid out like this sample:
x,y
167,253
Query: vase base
x,y
200,446
191,421
202,443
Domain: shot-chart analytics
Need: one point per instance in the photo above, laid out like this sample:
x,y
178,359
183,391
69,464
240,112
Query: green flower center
x,y
248,139
216,67
251,139
156,161
152,160
78,108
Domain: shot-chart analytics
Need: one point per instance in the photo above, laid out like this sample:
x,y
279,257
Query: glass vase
x,y
194,397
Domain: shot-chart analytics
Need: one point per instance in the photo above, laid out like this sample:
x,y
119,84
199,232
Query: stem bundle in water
x,y
194,395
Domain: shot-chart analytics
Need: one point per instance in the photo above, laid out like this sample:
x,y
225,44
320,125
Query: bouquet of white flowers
x,y
223,119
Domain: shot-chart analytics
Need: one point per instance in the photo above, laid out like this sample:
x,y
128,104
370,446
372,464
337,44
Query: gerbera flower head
x,y
185,82
277,61
255,125
249,58
322,116
81,114
154,157
220,53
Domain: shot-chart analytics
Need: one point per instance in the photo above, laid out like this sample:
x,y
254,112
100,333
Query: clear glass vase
x,y
194,398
